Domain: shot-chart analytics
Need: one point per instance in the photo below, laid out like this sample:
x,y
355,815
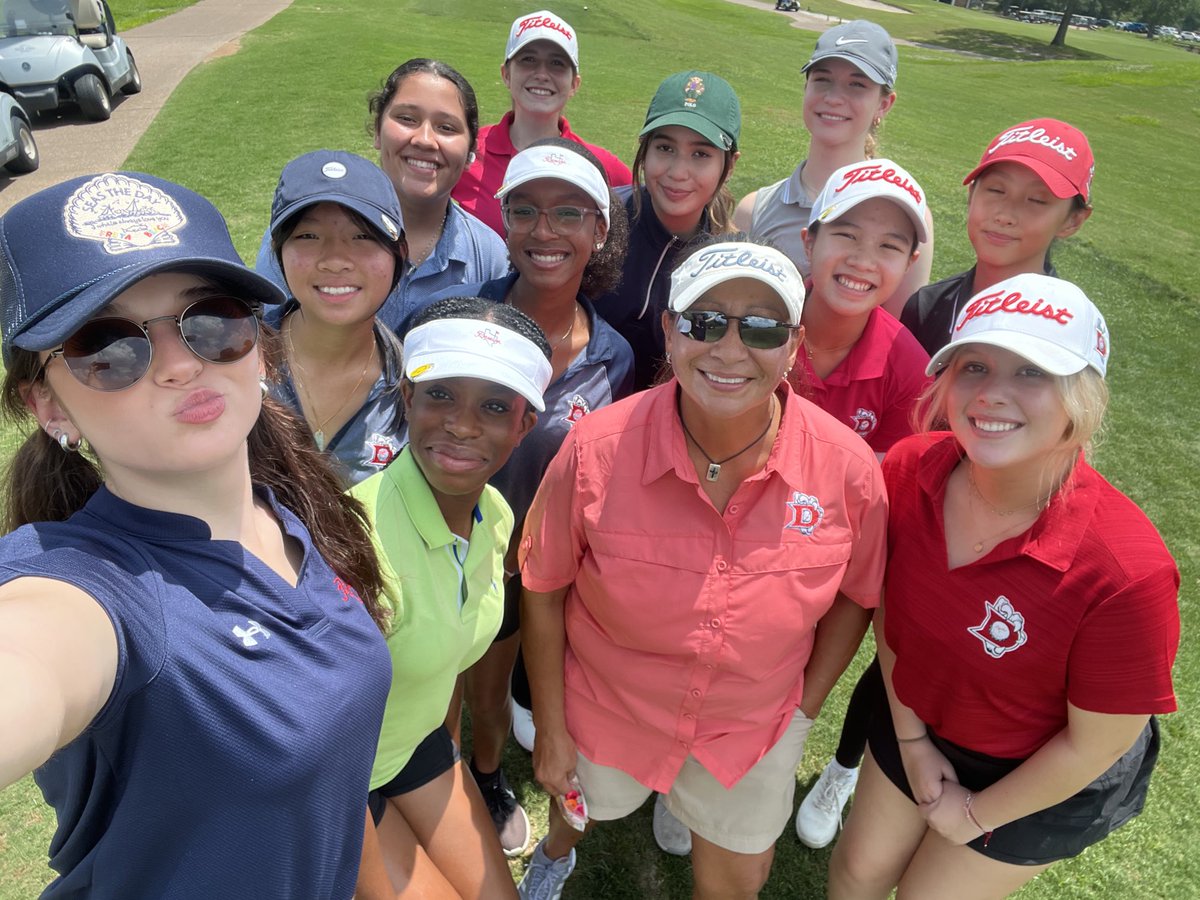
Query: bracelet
x,y
912,740
987,835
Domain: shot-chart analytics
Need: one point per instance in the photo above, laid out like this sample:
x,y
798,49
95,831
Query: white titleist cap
x,y
542,26
718,263
1048,321
561,163
851,185
473,348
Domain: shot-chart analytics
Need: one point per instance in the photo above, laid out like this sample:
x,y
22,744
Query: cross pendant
x,y
714,471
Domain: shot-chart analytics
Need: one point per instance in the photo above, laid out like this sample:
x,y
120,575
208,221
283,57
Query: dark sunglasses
x,y
112,353
756,332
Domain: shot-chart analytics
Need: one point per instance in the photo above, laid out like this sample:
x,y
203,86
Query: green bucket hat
x,y
701,101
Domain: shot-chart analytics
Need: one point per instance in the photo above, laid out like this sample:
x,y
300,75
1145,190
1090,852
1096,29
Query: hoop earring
x,y
264,386
65,442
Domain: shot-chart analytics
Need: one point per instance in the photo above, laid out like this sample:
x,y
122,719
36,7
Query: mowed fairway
x,y
301,81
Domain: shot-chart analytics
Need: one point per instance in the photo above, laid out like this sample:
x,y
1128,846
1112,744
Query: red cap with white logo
x,y
1059,153
1048,321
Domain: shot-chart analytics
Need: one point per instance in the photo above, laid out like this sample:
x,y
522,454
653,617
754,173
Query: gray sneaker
x,y
545,877
671,835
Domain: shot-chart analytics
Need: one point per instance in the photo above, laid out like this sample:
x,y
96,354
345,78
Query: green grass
x,y
235,121
131,13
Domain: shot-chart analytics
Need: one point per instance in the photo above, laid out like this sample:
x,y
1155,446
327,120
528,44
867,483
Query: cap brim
x,y
868,68
51,330
682,301
698,123
1059,185
369,211
1046,355
449,364
913,216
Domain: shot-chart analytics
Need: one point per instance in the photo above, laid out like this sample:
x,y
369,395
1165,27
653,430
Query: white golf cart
x,y
54,52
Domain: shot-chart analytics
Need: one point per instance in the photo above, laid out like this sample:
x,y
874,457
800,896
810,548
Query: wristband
x,y
987,835
912,740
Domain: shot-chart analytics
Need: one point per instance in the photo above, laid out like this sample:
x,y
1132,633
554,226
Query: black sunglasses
x,y
756,332
112,353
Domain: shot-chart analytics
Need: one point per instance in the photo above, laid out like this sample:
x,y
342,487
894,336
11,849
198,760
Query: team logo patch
x,y
1101,342
864,421
692,91
348,593
1002,629
381,450
805,513
123,214
577,408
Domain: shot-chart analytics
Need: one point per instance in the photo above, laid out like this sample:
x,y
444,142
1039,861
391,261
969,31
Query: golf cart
x,y
18,152
787,5
54,52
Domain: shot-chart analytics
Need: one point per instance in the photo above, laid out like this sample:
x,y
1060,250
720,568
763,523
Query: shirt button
x,y
688,716
733,510
722,565
716,623
695,693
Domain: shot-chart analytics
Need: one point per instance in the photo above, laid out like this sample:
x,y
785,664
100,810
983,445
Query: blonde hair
x,y
1084,397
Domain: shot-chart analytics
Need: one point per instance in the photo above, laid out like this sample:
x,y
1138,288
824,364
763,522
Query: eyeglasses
x,y
756,332
563,220
113,353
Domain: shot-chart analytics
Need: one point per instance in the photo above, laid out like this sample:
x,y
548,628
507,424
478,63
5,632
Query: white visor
x,y
558,163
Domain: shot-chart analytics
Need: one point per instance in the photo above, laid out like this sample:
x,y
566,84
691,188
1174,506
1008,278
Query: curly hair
x,y
485,311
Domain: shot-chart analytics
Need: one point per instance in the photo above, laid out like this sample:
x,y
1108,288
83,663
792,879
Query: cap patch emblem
x,y
390,227
333,170
123,214
1101,342
420,370
555,159
692,91
806,513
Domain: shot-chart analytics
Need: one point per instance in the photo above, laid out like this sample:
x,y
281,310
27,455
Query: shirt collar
x,y
1054,538
865,359
418,500
157,526
499,140
793,189
667,445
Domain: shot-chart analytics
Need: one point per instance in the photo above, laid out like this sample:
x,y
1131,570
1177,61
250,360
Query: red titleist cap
x,y
1056,151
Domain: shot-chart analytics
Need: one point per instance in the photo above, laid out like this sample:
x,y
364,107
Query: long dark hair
x,y
377,101
45,484
719,207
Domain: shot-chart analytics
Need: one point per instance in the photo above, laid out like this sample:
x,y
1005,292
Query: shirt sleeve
x,y
906,380
1121,658
553,541
863,580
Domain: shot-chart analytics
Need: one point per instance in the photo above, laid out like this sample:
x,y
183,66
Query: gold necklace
x,y
319,430
570,331
714,465
1037,504
810,349
416,260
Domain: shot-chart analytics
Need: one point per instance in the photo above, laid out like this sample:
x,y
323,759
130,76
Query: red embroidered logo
x,y
806,513
489,336
381,450
577,409
999,302
544,22
864,421
1101,342
348,593
1002,629
878,173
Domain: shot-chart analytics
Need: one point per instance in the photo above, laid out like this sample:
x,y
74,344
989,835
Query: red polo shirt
x,y
688,631
1081,608
874,388
476,190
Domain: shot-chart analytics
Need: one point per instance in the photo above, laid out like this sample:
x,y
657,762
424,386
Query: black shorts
x,y
434,755
511,623
1057,832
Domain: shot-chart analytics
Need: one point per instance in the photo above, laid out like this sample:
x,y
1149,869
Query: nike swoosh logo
x,y
841,42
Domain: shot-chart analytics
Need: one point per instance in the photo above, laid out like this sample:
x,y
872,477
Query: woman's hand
x,y
948,815
554,757
927,770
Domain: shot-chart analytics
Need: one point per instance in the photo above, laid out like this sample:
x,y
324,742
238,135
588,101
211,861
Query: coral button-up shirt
x,y
688,630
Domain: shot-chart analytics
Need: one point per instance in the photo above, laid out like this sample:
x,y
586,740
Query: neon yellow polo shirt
x,y
446,596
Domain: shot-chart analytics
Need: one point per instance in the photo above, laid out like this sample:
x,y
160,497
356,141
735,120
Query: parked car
x,y
18,150
1137,27
55,52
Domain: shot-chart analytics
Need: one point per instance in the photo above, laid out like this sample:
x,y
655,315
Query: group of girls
x,y
214,600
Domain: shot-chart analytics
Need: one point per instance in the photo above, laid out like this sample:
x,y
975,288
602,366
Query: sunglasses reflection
x,y
756,332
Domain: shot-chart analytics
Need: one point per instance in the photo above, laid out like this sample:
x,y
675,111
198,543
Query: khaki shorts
x,y
747,818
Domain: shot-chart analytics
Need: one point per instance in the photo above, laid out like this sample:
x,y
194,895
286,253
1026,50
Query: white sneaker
x,y
545,877
671,835
820,813
523,729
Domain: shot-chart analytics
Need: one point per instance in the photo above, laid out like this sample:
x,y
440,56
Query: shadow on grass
x,y
997,45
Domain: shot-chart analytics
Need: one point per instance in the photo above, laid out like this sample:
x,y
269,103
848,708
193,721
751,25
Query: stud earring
x,y
264,386
599,245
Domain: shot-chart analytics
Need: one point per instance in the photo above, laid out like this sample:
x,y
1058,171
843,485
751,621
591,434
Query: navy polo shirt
x,y
233,755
